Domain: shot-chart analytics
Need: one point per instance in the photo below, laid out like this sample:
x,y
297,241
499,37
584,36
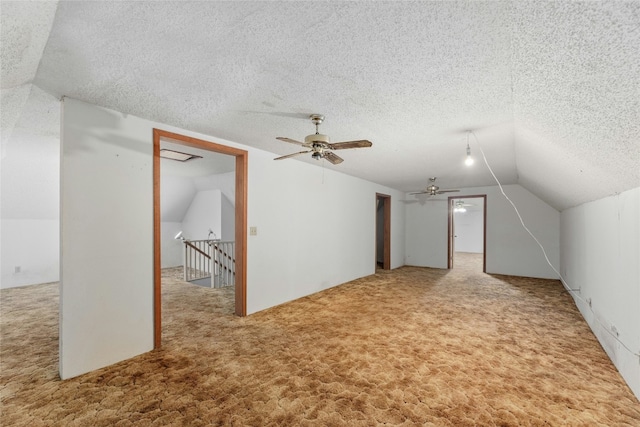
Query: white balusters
x,y
223,264
210,258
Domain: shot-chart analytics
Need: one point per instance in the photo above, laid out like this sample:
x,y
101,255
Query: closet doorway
x,y
467,246
383,231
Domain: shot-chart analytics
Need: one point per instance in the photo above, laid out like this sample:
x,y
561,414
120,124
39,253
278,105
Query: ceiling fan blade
x,y
293,141
447,191
362,143
420,192
332,157
291,155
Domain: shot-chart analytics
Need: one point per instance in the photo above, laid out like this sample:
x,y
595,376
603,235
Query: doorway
x,y
467,231
241,158
383,231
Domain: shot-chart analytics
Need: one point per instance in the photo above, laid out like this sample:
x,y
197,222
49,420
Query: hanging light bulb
x,y
469,160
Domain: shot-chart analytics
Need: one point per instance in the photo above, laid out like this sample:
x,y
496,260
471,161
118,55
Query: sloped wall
x,y
176,194
171,253
204,214
225,182
600,255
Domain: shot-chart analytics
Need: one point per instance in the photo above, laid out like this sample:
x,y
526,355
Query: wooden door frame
x,y
240,222
450,229
386,255
450,234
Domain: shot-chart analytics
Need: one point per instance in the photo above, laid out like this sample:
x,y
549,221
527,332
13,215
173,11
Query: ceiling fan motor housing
x,y
320,146
315,138
316,119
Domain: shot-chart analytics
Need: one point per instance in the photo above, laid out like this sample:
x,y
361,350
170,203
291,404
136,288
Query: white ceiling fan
x,y
320,147
433,189
461,206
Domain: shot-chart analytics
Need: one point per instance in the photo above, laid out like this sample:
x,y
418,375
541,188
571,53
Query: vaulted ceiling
x,y
551,90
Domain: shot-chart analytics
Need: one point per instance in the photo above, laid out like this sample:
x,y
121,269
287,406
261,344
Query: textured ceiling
x,y
550,89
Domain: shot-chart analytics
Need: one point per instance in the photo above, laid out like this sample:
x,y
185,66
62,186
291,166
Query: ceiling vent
x,y
177,155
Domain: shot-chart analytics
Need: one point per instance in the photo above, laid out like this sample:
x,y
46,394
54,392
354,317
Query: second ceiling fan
x,y
320,147
433,189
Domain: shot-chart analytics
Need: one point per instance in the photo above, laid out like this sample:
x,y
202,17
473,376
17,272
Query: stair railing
x,y
224,264
210,258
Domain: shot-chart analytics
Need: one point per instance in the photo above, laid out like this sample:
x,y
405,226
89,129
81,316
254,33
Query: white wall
x,y
426,233
600,255
33,246
176,194
171,252
380,232
313,233
510,250
226,183
468,227
398,231
29,189
106,234
204,214
228,220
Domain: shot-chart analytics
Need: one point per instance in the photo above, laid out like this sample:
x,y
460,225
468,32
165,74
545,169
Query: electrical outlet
x,y
589,301
253,231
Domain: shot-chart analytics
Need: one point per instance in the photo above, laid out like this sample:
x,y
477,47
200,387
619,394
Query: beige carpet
x,y
414,346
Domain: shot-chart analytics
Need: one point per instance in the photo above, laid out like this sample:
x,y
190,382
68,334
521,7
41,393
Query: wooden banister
x,y
209,258
223,252
197,249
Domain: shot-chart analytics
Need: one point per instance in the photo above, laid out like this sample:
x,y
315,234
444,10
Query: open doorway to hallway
x,y
197,204
239,218
467,232
383,231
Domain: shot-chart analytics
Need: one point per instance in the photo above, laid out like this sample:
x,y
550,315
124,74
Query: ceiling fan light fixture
x,y
316,138
320,147
459,206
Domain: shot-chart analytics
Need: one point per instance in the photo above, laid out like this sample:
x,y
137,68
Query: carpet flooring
x,y
407,347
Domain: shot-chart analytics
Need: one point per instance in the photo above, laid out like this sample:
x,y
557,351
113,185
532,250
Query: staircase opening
x,y
209,263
